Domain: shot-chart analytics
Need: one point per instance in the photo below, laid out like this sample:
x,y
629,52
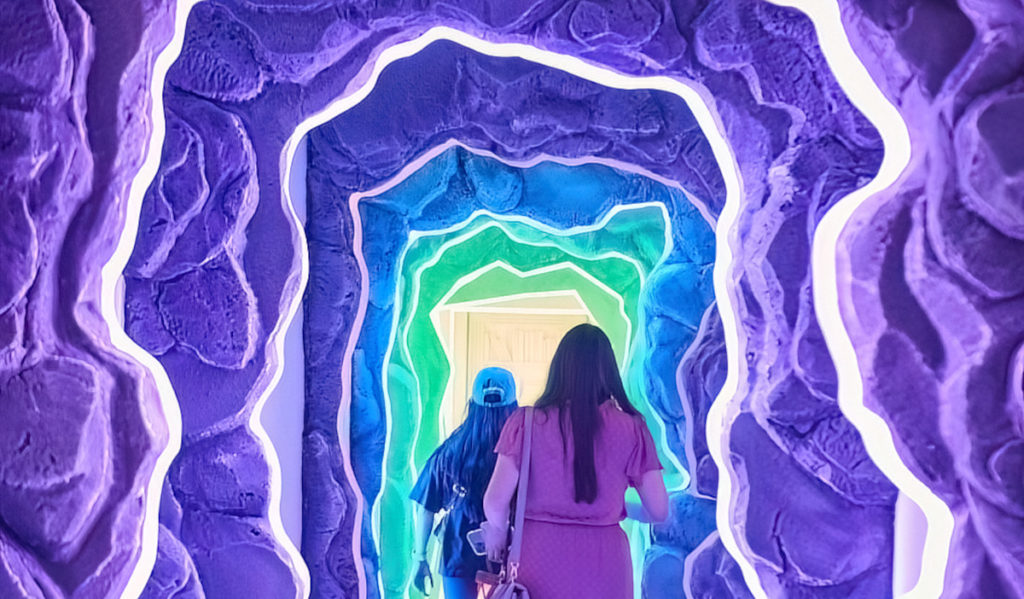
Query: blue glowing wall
x,y
457,183
574,204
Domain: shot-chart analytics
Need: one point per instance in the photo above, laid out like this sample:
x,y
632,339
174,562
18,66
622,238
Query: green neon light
x,y
429,366
627,243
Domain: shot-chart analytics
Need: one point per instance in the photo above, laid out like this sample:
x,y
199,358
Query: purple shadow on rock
x,y
366,146
82,423
271,66
250,72
932,271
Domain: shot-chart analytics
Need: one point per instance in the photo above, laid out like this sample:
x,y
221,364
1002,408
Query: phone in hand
x,y
476,541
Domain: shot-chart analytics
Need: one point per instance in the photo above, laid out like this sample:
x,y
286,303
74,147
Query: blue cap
x,y
494,387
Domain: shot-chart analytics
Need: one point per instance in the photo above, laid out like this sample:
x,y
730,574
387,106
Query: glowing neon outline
x,y
491,304
274,344
403,336
462,238
403,333
497,221
631,346
481,305
143,178
636,533
699,101
873,105
406,171
864,94
112,272
706,120
629,356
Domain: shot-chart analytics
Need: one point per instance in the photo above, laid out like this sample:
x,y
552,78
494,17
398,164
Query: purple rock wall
x,y
932,277
803,437
447,92
82,424
933,264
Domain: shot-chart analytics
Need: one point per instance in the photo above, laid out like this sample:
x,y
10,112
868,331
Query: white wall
x,y
282,413
908,544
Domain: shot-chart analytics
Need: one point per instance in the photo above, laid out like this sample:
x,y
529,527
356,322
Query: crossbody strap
x,y
524,482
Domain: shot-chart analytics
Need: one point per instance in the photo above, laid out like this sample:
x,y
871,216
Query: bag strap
x,y
524,482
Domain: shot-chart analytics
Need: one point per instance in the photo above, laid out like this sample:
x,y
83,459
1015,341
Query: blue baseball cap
x,y
494,387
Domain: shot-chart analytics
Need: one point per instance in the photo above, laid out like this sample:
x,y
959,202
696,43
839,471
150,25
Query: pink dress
x,y
578,549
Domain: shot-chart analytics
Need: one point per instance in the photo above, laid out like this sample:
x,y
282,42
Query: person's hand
x,y
495,539
423,578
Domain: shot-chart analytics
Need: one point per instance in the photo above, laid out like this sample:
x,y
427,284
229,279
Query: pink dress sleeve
x,y
644,457
511,441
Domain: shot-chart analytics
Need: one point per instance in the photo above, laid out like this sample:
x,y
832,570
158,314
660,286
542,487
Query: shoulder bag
x,y
507,586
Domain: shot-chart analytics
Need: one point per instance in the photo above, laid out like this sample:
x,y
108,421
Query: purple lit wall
x,y
930,275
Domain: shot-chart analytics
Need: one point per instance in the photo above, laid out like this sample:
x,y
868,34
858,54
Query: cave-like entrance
x,y
457,226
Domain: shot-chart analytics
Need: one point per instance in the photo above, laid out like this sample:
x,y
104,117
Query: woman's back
x,y
623,452
588,445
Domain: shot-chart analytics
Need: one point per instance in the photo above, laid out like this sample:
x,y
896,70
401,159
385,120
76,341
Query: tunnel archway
x,y
326,142
674,259
753,112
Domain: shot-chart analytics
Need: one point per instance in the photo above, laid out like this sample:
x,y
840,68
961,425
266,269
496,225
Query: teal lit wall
x,y
465,227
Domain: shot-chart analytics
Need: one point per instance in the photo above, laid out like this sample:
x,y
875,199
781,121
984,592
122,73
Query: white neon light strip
x,y
500,221
630,347
460,239
109,276
113,270
275,340
413,166
493,304
148,171
855,80
484,305
496,221
698,100
467,233
859,87
600,224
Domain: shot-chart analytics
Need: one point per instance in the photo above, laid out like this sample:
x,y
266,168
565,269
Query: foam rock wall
x,y
82,424
932,276
929,279
339,166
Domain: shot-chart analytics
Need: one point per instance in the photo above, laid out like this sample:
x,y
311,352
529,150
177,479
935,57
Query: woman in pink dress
x,y
589,445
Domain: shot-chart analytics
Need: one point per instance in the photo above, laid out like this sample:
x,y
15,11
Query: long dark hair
x,y
583,375
467,456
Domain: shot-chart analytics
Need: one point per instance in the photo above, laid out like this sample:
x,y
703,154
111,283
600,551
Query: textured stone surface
x,y
713,573
81,421
931,293
795,399
440,196
931,271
